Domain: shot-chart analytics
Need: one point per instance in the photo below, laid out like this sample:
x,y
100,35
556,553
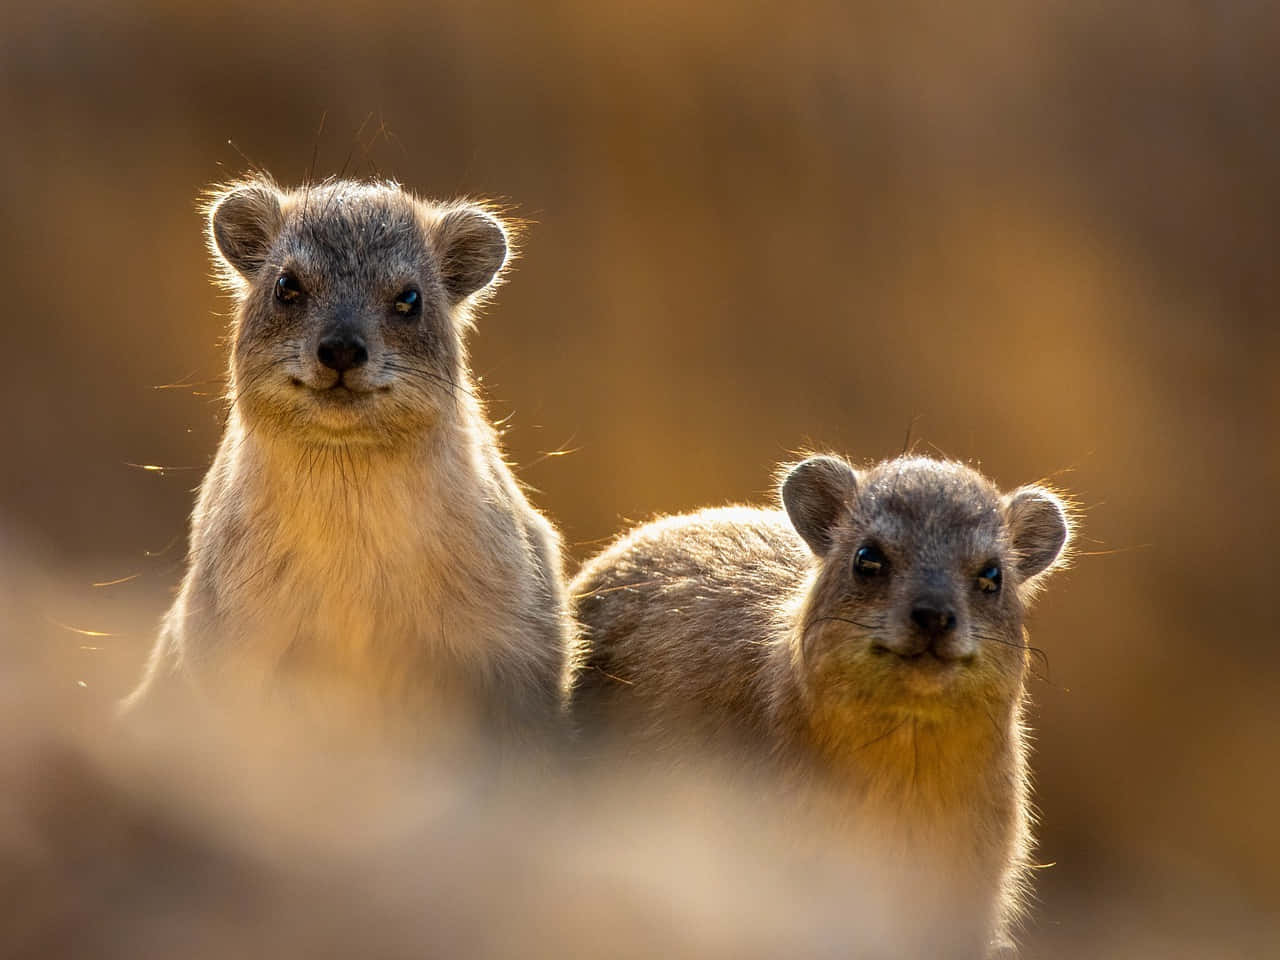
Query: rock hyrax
x,y
867,644
359,527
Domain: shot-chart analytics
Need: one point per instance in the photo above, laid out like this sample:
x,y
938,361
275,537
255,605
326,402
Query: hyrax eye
x,y
989,579
409,303
869,561
288,289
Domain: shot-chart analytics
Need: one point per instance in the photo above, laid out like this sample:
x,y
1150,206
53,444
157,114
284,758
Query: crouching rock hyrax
x,y
358,527
867,643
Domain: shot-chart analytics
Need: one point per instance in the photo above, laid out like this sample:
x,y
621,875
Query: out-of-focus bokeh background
x,y
1041,237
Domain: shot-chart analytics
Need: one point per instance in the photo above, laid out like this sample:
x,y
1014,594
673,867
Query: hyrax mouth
x,y
337,392
917,656
928,659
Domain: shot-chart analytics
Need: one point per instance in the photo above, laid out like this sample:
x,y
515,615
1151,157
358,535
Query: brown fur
x,y
751,629
359,535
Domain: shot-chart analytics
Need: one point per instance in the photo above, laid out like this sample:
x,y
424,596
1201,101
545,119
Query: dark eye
x,y
869,561
409,303
288,289
989,579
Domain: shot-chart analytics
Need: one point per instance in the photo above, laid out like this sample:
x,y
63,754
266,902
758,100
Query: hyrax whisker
x,y
883,736
856,623
1020,645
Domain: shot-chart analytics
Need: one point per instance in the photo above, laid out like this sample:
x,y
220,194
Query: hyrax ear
x,y
471,246
1039,528
817,493
243,224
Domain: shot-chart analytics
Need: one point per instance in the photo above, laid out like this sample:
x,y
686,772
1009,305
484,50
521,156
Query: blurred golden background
x,y
1040,237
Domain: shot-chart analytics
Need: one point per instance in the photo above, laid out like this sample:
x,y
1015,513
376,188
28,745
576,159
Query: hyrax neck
x,y
936,802
350,559
950,776
351,503
921,763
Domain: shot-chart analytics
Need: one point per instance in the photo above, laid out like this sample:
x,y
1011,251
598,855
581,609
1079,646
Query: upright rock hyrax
x,y
867,645
359,527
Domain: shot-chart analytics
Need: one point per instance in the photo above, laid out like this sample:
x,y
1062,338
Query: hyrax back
x,y
867,644
359,532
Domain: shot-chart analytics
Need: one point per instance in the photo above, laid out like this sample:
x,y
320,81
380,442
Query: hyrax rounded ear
x,y
817,493
1039,528
471,246
244,222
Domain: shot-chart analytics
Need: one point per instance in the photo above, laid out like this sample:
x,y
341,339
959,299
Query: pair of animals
x,y
359,524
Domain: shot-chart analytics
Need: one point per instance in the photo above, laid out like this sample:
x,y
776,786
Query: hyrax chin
x,y
867,644
358,537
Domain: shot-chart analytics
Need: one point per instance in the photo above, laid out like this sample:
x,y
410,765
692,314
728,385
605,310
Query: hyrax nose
x,y
341,351
934,620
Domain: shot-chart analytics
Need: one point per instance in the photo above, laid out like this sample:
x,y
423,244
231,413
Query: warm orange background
x,y
1043,233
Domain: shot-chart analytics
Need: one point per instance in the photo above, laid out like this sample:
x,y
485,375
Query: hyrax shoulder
x,y
674,619
866,640
359,530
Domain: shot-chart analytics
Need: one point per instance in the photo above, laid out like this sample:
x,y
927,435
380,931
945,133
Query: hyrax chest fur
x,y
866,645
359,532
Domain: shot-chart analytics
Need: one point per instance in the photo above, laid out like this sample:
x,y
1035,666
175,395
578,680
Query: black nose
x,y
342,351
933,621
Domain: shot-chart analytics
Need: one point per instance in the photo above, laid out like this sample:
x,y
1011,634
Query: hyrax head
x,y
353,299
925,571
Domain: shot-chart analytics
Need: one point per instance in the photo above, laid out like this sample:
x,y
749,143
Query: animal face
x,y
926,569
353,301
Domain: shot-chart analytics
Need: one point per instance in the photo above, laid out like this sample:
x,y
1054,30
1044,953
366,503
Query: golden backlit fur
x,y
359,535
751,633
